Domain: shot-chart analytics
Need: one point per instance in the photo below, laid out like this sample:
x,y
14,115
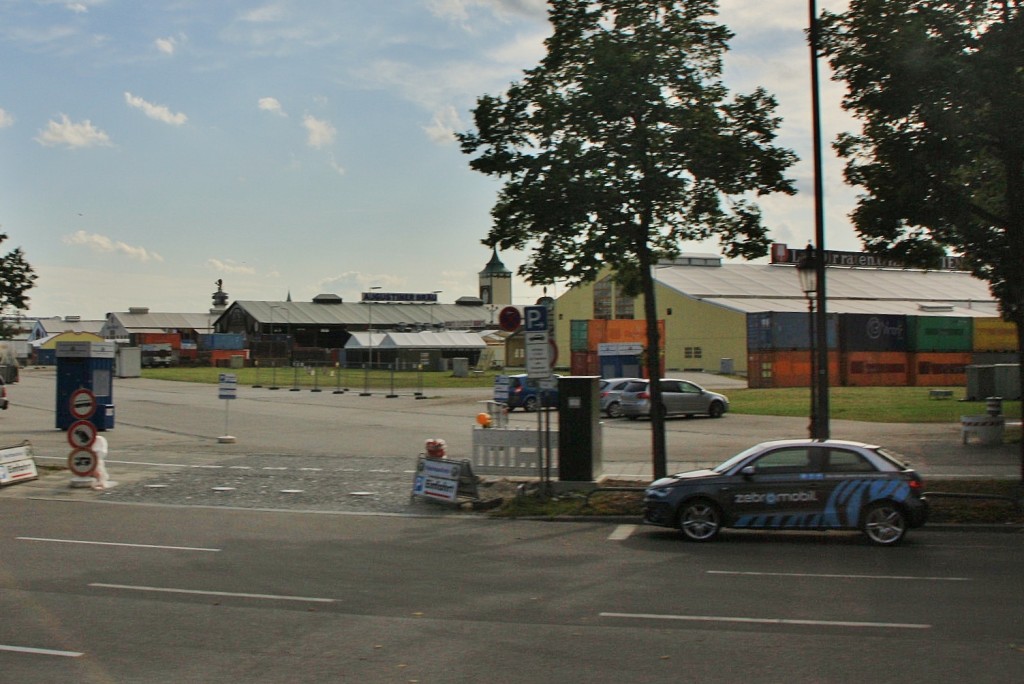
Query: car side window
x,y
785,461
845,461
689,388
670,386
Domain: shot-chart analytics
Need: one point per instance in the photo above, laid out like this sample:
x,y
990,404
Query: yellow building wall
x,y
690,324
71,337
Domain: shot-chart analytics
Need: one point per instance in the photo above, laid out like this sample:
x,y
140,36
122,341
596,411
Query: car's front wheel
x,y
716,410
884,524
614,410
530,404
700,520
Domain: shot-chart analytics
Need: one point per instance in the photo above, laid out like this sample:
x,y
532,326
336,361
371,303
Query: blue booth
x,y
88,366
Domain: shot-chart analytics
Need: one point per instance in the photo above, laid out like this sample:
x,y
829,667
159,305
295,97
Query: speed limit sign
x,y
81,462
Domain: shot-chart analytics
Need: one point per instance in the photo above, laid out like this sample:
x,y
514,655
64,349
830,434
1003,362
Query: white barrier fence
x,y
513,452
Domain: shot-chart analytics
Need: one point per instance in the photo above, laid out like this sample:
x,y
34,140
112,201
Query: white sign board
x,y
501,385
17,465
437,478
228,386
538,355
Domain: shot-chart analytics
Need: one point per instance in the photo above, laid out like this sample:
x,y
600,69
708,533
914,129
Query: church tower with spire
x,y
496,282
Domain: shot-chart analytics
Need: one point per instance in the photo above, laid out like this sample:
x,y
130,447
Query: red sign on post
x,y
81,434
82,404
509,319
82,462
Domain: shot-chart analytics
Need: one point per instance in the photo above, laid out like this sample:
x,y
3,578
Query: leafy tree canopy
x,y
623,142
939,88
16,279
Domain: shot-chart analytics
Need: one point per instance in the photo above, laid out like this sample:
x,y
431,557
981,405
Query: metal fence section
x,y
513,452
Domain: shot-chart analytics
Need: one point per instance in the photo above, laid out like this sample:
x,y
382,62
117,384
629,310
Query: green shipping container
x,y
578,334
939,334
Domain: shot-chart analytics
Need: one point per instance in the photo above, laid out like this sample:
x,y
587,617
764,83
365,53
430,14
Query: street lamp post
x,y
820,380
273,371
806,270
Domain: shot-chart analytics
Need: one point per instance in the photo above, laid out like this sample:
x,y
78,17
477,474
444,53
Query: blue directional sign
x,y
535,318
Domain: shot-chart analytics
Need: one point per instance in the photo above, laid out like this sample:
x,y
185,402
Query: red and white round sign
x,y
82,462
81,434
82,404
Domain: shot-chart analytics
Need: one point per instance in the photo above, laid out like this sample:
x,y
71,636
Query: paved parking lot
x,y
346,452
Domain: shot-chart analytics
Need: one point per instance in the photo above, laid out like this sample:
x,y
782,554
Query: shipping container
x,y
208,342
625,330
770,369
584,363
785,330
939,369
992,358
939,334
994,335
579,340
222,357
874,369
173,339
873,333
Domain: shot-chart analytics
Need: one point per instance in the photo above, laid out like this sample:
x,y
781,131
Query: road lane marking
x,y
835,576
621,532
41,651
767,621
99,543
198,592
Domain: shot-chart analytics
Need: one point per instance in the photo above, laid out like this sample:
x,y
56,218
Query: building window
x,y
603,299
693,352
623,306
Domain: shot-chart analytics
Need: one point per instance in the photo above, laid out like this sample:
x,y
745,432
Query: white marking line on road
x,y
41,651
99,543
828,576
767,621
621,532
170,590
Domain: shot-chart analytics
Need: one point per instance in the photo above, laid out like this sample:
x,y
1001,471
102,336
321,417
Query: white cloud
x,y
6,118
156,112
230,266
321,133
272,105
104,244
66,132
166,45
442,129
458,11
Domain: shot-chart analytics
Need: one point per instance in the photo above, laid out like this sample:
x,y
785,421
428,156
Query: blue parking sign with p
x,y
535,318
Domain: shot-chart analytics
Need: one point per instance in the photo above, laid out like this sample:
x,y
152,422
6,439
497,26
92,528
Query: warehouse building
x,y
887,325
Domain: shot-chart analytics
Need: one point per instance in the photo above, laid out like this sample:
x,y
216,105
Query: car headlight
x,y
657,493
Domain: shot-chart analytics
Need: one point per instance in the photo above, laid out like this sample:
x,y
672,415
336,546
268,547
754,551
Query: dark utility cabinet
x,y
579,429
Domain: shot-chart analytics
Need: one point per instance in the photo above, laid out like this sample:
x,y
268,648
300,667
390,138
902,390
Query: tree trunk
x,y
659,460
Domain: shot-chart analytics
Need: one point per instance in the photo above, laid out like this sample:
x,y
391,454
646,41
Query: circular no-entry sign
x,y
81,434
82,462
82,404
509,319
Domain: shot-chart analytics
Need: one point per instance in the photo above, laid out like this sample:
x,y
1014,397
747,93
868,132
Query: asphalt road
x,y
109,593
258,561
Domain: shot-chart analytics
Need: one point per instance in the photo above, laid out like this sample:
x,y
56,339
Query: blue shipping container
x,y
785,330
222,341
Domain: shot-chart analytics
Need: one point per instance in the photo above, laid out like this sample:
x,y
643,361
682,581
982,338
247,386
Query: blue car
x,y
796,484
525,393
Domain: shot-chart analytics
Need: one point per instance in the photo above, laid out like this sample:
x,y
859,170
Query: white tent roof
x,y
415,340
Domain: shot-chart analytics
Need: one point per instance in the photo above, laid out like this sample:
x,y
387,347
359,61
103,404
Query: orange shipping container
x,y
994,334
173,339
770,369
875,369
939,369
584,363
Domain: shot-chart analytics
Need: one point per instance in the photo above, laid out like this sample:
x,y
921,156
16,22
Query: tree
x,y
620,145
16,278
939,88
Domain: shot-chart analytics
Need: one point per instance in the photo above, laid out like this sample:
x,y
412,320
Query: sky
x,y
300,147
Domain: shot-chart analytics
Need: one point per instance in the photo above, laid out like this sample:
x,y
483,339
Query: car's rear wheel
x,y
700,520
884,524
716,410
530,404
614,410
